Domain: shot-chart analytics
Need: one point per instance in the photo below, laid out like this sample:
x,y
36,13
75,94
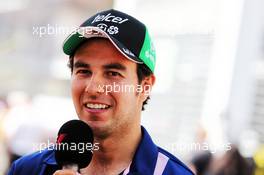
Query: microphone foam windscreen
x,y
74,144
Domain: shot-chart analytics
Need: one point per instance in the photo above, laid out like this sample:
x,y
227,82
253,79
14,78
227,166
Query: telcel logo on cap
x,y
109,18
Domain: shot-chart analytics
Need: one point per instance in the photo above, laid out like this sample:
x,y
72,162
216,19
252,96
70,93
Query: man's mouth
x,y
97,106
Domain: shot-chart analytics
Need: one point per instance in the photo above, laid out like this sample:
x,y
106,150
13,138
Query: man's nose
x,y
95,85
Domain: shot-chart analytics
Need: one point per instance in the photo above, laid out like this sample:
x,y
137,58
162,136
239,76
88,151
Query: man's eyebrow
x,y
79,64
114,66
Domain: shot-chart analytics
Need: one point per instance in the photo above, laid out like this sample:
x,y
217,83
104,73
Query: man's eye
x,y
82,71
113,74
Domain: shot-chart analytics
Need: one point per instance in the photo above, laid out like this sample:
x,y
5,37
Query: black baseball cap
x,y
126,33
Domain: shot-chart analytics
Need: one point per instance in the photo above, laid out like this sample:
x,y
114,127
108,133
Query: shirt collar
x,y
144,160
50,160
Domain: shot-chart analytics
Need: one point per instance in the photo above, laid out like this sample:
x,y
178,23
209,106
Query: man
x,y
111,49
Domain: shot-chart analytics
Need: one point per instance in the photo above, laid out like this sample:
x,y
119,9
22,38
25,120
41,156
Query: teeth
x,y
96,106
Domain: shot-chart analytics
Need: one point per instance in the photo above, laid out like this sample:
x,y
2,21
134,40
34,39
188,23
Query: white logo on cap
x,y
151,52
102,26
109,18
112,30
128,52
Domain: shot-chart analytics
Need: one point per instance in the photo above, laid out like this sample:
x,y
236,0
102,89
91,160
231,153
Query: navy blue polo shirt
x,y
149,159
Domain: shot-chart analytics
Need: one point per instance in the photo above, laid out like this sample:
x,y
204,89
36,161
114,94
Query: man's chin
x,y
101,133
100,130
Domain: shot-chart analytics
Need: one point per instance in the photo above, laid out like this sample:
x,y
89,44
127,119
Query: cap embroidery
x,y
102,26
128,52
109,18
112,30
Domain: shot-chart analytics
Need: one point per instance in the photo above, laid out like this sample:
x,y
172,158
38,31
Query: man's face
x,y
98,67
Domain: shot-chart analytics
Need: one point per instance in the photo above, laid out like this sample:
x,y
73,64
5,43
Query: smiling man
x,y
111,49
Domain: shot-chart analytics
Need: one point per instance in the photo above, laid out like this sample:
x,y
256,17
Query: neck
x,y
116,151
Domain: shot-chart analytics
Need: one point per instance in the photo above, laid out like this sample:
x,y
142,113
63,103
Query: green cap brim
x,y
72,42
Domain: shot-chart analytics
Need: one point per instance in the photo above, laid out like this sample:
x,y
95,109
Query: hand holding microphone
x,y
74,147
66,172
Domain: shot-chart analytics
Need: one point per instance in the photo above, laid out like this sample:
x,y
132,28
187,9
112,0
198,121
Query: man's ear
x,y
147,84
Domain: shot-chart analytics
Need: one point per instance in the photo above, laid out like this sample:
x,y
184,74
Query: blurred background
x,y
207,106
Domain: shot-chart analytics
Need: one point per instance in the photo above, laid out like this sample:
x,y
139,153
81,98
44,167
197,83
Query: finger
x,y
66,172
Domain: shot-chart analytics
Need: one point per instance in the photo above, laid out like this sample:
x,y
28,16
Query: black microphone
x,y
74,146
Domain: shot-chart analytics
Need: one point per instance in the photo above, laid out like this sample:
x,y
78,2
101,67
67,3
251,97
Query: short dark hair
x,y
142,72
